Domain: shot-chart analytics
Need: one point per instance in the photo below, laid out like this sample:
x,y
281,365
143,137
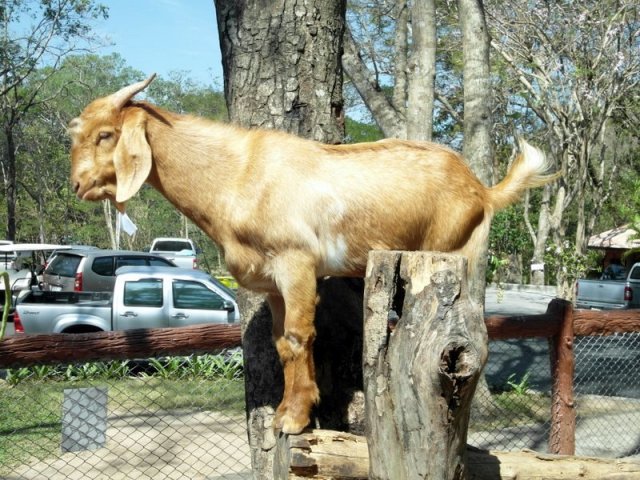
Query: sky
x,y
165,35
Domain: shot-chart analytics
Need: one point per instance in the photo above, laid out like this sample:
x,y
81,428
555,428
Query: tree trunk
x,y
282,65
478,145
108,220
388,117
401,49
422,71
282,70
9,172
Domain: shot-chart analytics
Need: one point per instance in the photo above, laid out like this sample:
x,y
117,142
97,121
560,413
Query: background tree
x,y
390,56
478,139
53,30
578,66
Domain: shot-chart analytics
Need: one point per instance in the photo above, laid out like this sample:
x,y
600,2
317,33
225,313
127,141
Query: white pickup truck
x,y
181,251
143,297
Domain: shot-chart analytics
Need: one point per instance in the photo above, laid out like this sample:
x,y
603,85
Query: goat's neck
x,y
195,163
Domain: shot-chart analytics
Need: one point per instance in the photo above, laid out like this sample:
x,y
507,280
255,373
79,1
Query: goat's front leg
x,y
293,331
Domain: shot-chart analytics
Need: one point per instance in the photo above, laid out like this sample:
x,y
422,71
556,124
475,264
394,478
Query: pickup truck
x,y
143,297
611,291
181,251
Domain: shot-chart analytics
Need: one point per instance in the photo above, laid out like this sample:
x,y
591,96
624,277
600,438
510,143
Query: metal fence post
x,y
562,437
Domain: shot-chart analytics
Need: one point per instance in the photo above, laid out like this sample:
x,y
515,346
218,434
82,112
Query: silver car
x,y
93,270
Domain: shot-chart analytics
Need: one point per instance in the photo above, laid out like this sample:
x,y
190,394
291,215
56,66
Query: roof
x,y
171,271
619,237
30,247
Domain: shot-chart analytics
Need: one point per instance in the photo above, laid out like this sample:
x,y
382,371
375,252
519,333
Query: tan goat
x,y
285,210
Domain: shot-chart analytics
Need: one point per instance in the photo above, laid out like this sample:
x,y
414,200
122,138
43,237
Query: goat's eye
x,y
104,136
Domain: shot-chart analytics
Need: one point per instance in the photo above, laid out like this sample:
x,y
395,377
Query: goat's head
x,y
110,156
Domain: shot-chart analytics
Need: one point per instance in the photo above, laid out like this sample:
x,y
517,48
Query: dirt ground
x,y
201,446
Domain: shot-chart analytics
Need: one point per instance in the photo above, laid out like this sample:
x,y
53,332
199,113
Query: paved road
x,y
604,365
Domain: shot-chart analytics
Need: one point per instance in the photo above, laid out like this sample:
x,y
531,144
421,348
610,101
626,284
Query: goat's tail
x,y
530,169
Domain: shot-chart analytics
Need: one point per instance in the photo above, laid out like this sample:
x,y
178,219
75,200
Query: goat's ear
x,y
132,156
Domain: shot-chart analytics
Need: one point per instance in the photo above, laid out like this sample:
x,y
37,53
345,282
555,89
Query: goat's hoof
x,y
288,423
292,426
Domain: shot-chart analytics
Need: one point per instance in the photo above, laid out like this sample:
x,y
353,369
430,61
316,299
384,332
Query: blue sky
x,y
165,35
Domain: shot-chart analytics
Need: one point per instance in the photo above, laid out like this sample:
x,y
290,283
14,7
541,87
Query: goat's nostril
x,y
76,186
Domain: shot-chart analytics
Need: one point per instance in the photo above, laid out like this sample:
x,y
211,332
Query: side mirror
x,y
228,306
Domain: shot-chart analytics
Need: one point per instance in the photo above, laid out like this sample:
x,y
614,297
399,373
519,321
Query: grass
x,y
31,400
510,409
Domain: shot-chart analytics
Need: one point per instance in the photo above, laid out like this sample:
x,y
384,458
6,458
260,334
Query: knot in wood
x,y
447,286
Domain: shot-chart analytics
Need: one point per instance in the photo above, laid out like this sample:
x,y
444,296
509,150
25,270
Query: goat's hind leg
x,y
294,332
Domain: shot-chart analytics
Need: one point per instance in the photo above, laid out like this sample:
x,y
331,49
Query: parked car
x,y
93,270
142,297
614,289
181,251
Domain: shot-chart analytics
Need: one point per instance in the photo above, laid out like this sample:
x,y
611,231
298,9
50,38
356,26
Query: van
x,y
93,270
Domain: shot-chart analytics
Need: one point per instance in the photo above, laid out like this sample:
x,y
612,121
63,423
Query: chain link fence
x,y
161,418
183,417
512,410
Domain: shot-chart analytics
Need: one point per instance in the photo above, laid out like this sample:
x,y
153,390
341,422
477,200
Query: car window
x,y
160,262
143,293
171,245
64,265
188,294
135,261
103,266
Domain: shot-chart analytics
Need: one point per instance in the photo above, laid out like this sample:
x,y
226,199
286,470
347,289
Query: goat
x,y
287,211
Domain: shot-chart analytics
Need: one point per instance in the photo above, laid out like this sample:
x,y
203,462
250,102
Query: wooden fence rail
x,y
25,350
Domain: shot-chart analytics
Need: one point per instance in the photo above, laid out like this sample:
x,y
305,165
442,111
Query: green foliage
x,y
508,237
568,263
204,367
357,132
508,232
494,265
519,388
47,209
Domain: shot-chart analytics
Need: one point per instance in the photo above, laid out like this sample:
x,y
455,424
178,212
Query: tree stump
x,y
425,345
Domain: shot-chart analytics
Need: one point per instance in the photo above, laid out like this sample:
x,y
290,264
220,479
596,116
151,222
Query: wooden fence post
x,y
420,373
562,437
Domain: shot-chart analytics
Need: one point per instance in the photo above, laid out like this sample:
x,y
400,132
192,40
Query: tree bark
x,y
422,71
282,65
401,49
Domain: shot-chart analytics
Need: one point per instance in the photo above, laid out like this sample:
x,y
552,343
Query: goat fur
x,y
285,210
